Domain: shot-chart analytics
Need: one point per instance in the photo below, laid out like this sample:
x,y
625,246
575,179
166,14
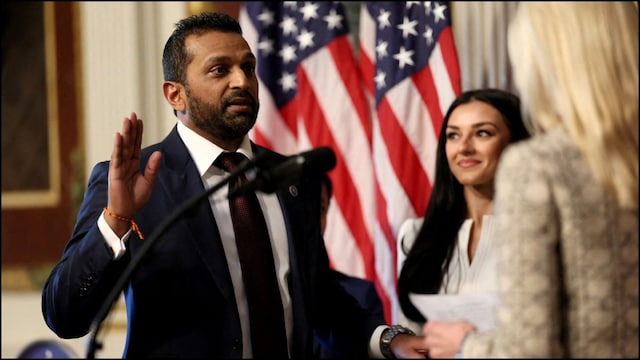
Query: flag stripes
x,y
381,113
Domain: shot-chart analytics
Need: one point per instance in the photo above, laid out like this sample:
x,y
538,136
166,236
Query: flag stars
x,y
404,57
383,19
406,36
266,46
381,49
309,11
408,27
427,8
266,18
438,12
305,39
428,34
334,20
290,32
287,82
380,80
288,26
288,54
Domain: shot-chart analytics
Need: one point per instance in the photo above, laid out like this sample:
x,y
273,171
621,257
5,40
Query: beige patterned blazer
x,y
568,259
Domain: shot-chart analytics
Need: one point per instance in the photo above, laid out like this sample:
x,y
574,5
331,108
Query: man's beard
x,y
214,121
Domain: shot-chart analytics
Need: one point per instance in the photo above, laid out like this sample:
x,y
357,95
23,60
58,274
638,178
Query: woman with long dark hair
x,y
449,248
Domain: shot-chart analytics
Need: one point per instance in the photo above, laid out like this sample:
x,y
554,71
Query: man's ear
x,y
175,95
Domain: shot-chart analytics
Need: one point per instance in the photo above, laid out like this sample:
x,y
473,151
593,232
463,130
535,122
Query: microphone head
x,y
318,160
270,176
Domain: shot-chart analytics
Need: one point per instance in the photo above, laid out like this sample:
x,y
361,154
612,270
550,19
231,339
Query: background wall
x,y
102,61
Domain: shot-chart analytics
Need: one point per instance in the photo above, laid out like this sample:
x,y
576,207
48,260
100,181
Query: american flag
x,y
411,73
380,115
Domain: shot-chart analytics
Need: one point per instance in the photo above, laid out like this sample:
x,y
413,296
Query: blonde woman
x,y
566,202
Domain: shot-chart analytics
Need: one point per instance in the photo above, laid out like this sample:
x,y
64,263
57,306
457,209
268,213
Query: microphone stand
x,y
103,311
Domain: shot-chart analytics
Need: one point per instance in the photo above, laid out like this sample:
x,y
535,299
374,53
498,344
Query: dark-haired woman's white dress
x,y
464,276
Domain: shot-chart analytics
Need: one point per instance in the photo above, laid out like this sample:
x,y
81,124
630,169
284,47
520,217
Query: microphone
x,y
307,163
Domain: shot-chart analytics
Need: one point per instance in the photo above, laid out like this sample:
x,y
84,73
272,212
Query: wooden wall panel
x,y
35,228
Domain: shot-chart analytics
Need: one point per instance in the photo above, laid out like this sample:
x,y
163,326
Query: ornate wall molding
x,y
121,51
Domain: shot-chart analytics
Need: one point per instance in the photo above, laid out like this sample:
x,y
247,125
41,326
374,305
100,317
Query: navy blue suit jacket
x,y
364,291
180,299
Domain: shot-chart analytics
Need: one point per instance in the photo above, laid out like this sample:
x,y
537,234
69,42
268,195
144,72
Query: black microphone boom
x,y
307,163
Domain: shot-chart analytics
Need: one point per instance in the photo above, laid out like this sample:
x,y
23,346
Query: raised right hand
x,y
129,189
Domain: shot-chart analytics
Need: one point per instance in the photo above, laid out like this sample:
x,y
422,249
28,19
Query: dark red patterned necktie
x,y
266,317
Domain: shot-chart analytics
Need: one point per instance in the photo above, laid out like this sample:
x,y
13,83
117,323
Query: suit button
x,y
237,344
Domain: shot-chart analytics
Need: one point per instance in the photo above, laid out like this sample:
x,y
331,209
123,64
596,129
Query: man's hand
x,y
443,339
405,346
129,189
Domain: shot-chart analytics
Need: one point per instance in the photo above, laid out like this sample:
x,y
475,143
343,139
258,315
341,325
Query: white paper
x,y
479,309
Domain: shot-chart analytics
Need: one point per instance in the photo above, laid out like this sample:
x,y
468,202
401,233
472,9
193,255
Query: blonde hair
x,y
576,66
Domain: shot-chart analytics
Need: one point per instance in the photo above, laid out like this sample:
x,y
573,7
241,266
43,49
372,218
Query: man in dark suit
x,y
187,297
363,290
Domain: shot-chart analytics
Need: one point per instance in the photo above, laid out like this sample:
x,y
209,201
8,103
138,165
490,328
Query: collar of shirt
x,y
203,152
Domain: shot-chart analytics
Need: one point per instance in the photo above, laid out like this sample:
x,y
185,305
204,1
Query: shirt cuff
x,y
116,244
374,343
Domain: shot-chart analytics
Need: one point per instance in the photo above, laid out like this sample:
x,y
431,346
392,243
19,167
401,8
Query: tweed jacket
x,y
568,261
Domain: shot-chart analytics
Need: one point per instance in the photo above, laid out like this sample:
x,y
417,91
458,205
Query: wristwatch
x,y
388,335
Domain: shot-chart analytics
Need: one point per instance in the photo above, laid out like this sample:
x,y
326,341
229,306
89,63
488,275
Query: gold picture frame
x,y
46,197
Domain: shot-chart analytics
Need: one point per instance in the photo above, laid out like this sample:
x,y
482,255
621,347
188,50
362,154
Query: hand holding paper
x,y
479,309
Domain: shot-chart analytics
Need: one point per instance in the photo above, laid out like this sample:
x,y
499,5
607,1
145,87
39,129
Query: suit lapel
x,y
300,263
182,183
293,209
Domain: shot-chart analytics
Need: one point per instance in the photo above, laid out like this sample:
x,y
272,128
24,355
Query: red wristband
x,y
133,223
